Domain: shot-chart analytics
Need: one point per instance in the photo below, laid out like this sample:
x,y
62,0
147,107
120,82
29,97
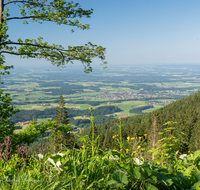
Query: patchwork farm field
x,y
140,89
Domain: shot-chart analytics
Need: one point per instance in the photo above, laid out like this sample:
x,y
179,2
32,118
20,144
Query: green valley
x,y
133,88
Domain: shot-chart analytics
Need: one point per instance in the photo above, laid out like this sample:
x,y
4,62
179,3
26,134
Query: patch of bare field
x,y
106,88
20,130
37,107
88,90
75,107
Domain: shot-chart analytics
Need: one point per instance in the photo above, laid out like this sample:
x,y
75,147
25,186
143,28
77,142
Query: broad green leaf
x,y
165,179
149,172
197,175
197,162
120,177
114,184
123,166
148,186
170,168
196,186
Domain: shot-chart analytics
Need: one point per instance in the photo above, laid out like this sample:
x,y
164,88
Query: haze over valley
x,y
118,91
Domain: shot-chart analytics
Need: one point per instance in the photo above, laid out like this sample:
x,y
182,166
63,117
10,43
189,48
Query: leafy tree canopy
x,y
57,11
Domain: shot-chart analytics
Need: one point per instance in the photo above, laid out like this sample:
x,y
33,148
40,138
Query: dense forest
x,y
92,103
186,112
26,115
139,110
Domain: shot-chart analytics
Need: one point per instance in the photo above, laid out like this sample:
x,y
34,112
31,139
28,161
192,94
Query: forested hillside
x,y
186,112
139,110
25,115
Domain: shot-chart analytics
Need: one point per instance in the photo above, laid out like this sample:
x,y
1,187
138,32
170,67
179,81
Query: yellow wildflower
x,y
127,150
114,150
117,135
140,137
82,146
138,147
128,138
145,135
132,138
134,152
188,151
177,151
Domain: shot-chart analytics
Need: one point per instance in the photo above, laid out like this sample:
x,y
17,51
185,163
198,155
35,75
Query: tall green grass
x,y
90,167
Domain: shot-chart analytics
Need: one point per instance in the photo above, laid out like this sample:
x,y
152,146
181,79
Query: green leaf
x,y
165,179
148,186
120,177
136,173
197,175
148,171
170,168
196,186
114,184
197,162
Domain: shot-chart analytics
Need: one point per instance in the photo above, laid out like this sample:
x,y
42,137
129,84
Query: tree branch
x,y
34,16
15,53
26,3
35,54
24,17
30,44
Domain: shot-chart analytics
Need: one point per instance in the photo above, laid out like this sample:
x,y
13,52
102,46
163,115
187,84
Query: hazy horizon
x,y
133,32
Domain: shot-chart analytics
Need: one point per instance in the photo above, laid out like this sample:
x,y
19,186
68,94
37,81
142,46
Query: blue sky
x,y
133,31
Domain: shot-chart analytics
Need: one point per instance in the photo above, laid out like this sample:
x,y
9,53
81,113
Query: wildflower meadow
x,y
127,166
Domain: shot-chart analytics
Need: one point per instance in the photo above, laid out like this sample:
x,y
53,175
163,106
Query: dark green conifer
x,y
60,138
153,136
61,115
108,140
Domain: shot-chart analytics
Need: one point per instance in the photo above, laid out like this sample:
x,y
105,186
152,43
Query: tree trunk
x,y
1,10
1,17
1,20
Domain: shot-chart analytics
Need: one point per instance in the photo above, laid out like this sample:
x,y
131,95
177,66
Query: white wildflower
x,y
56,165
60,154
111,157
183,156
138,161
51,161
40,156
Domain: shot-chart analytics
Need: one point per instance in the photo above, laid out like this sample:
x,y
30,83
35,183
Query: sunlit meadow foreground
x,y
125,167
